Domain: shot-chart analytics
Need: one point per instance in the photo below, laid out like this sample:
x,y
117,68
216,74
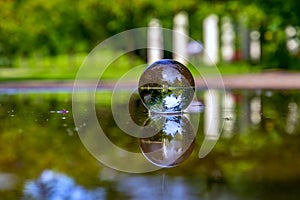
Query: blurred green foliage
x,y
66,27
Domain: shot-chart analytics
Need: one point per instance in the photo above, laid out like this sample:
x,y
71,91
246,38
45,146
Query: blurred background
x,y
50,39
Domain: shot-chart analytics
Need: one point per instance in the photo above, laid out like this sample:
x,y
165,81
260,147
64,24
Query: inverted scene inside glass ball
x,y
172,144
166,86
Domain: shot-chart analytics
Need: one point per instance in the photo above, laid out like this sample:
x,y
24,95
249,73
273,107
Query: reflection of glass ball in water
x,y
137,110
172,144
166,86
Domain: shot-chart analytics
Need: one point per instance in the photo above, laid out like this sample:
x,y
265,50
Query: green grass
x,y
238,68
66,67
58,67
224,69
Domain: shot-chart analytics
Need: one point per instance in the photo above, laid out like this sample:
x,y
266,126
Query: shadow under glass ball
x,y
166,86
172,144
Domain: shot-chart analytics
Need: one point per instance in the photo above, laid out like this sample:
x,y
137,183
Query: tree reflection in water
x,y
254,161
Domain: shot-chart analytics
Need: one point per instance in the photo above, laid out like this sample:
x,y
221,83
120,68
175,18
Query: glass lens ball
x,y
172,144
166,86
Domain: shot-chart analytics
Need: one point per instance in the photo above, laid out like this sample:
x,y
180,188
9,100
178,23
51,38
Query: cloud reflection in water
x,y
56,186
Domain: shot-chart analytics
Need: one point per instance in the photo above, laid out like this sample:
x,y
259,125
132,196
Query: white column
x,y
180,37
292,42
155,41
255,49
211,39
228,37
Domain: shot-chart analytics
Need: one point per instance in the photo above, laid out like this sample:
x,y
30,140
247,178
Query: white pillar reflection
x,y
228,114
154,41
211,39
180,37
255,109
292,118
212,122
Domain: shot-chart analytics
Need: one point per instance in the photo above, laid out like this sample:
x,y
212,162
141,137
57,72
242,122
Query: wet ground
x,y
255,157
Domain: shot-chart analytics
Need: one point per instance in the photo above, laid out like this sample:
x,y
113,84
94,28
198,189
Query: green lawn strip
x,y
65,67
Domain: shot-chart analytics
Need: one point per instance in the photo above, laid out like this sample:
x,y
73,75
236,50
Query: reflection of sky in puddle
x,y
53,186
